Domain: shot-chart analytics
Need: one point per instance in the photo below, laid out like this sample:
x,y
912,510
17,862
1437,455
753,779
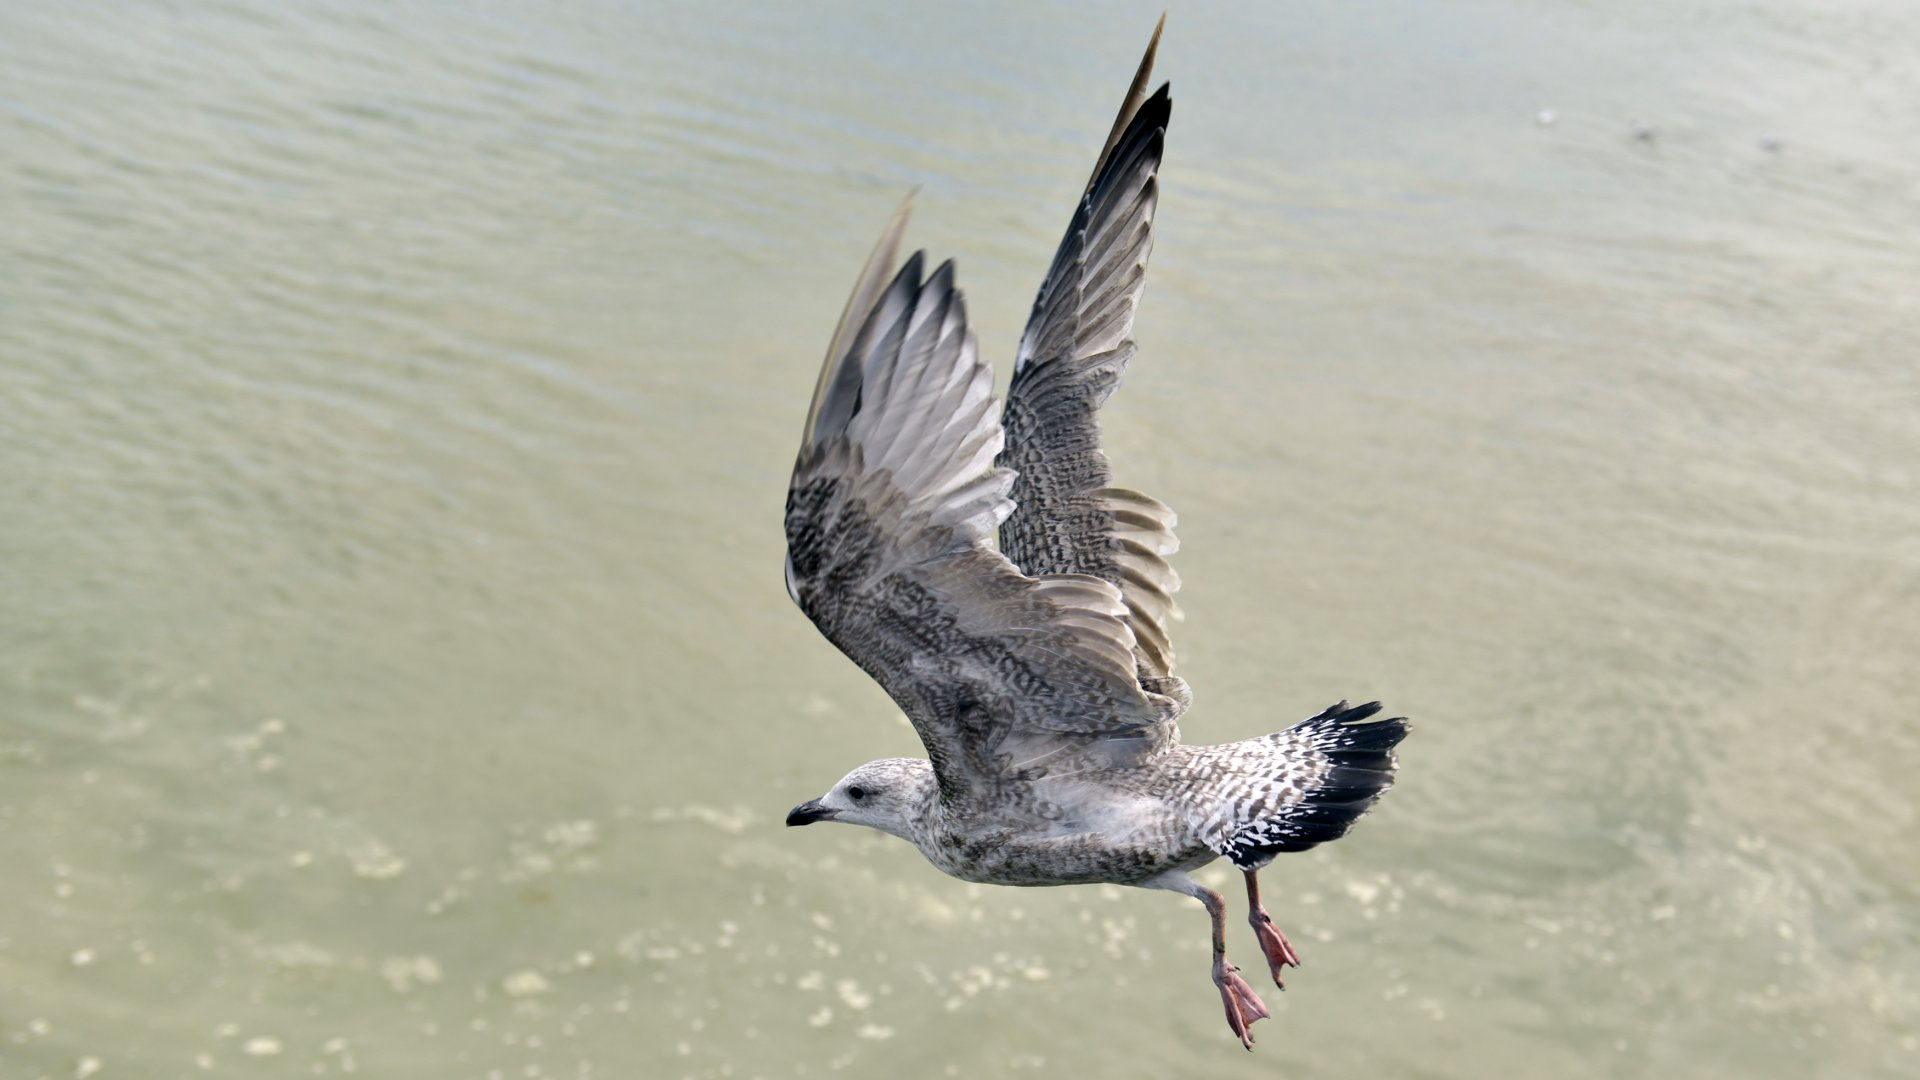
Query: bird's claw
x,y
1242,1004
1275,945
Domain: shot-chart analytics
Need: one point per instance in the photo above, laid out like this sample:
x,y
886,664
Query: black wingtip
x,y
1132,105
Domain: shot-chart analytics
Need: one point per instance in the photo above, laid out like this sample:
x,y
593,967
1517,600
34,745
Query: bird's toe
x,y
1274,944
1243,1006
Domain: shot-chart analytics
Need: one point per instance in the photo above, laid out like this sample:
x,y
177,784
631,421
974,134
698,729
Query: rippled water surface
x,y
395,412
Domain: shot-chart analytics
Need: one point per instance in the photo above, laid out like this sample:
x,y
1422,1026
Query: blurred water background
x,y
396,403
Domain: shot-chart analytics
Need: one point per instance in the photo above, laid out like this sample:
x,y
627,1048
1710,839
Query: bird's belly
x,y
1005,857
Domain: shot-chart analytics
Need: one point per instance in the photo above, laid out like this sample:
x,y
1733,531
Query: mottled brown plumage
x,y
1039,676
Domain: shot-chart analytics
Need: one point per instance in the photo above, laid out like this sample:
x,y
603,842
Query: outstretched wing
x,y
1069,518
894,497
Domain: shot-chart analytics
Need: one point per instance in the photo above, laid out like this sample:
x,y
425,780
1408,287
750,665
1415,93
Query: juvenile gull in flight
x,y
1039,676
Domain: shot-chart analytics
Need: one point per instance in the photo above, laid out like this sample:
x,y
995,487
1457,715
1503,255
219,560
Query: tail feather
x,y
1358,765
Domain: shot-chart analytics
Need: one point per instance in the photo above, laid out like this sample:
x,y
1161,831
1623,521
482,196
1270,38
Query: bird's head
x,y
885,795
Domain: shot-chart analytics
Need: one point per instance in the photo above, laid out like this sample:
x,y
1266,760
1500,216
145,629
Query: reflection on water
x,y
395,675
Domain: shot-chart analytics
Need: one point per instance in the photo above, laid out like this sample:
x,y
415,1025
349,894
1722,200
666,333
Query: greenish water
x,y
395,408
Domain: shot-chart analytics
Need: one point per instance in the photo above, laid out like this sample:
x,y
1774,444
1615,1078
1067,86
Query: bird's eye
x,y
856,793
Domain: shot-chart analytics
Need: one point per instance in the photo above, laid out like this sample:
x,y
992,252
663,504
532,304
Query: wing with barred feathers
x,y
1069,517
894,498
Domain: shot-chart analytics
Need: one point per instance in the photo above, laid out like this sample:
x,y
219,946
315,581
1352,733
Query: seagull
x,y
1038,674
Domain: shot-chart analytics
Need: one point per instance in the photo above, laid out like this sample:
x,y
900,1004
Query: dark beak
x,y
809,812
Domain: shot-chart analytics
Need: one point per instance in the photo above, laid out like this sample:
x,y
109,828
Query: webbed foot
x,y
1279,950
1242,1004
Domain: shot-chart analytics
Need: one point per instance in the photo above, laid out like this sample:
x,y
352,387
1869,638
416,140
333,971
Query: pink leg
x,y
1242,1004
1272,942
